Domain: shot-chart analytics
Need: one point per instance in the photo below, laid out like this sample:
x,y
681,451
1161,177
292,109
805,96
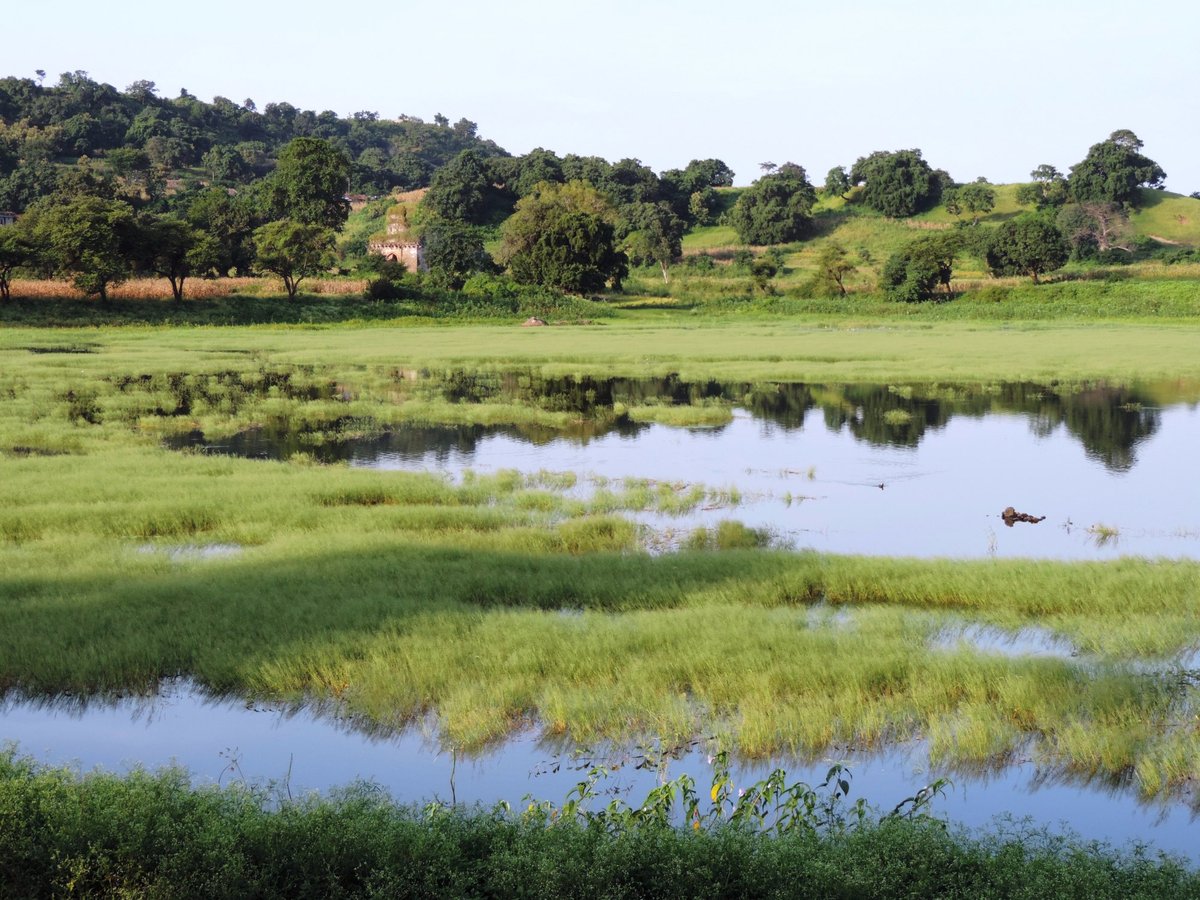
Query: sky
x,y
981,87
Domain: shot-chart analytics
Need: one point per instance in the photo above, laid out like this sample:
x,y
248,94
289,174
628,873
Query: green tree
x,y
91,239
454,252
562,236
919,269
655,235
176,250
1048,188
309,184
462,191
776,209
1027,245
230,221
833,265
837,182
293,251
898,184
977,198
1113,170
16,251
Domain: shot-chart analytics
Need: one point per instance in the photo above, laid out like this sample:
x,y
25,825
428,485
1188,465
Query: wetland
x,y
491,567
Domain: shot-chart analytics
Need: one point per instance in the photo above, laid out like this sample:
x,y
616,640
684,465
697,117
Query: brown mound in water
x,y
1011,517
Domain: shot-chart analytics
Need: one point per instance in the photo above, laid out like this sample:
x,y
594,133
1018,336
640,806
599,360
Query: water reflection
x,y
1110,421
921,470
300,749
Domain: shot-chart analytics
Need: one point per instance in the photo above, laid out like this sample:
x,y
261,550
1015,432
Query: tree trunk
x,y
666,280
177,287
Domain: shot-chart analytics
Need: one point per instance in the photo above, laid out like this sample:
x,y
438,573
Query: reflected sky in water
x,y
826,489
208,736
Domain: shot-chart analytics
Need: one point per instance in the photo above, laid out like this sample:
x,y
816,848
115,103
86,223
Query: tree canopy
x,y
919,269
562,236
1027,245
1113,170
309,184
293,251
777,208
898,183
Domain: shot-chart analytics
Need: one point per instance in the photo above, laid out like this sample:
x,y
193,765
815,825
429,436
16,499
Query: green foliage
x,y
175,250
16,250
309,184
837,182
917,271
776,209
156,835
454,252
1048,189
562,236
1113,170
462,191
833,265
1027,245
654,235
293,251
88,238
977,199
897,184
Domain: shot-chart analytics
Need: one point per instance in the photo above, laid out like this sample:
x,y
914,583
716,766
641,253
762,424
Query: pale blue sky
x,y
983,88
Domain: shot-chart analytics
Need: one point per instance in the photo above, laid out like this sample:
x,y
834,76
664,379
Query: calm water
x,y
852,469
220,740
895,470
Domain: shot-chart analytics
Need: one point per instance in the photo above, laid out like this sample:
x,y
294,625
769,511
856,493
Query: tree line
x,y
181,188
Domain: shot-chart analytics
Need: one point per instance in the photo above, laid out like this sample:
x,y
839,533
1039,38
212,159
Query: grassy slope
x,y
1172,217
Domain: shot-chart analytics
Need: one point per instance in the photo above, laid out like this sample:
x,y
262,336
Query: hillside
x,y
1165,217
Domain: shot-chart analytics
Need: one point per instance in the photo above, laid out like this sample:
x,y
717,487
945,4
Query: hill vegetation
x,y
116,184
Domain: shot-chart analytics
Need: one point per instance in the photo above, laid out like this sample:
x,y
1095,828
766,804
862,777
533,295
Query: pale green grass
x,y
1173,217
512,597
816,350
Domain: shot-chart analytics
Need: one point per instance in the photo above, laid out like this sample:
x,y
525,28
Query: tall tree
x,y
293,251
176,250
1113,170
1048,188
777,208
91,239
1027,245
309,184
562,236
898,184
837,182
654,235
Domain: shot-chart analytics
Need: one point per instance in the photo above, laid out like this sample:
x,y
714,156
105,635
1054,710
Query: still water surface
x,y
881,470
853,469
221,740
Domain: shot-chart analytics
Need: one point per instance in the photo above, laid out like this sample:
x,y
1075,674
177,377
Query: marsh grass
x,y
404,594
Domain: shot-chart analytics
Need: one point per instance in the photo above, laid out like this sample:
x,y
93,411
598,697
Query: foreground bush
x,y
155,835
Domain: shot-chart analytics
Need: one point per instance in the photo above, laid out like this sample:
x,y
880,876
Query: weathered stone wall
x,y
409,254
